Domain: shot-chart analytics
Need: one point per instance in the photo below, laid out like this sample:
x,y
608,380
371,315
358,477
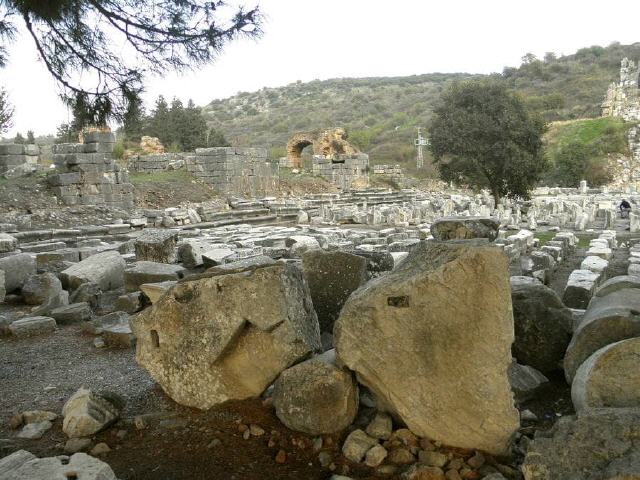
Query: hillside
x,y
381,113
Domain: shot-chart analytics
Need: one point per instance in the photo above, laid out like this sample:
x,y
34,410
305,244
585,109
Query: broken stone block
x,y
618,283
74,313
227,337
150,272
594,264
118,335
190,253
157,245
97,326
595,444
35,430
580,288
8,243
130,302
32,326
217,256
332,277
37,289
543,325
153,291
17,268
465,228
86,413
603,252
105,269
458,390
316,398
380,427
608,319
525,381
610,377
298,244
22,465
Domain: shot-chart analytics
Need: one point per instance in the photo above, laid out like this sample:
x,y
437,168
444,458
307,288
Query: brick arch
x,y
327,142
296,144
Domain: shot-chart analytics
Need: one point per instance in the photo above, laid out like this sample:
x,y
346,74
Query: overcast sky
x,y
320,39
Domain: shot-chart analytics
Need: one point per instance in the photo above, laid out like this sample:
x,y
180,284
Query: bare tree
x,y
117,42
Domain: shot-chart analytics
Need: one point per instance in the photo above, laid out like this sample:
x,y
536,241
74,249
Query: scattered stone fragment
x,y
33,431
380,427
464,228
86,413
316,398
100,449
73,313
37,289
130,302
17,269
150,272
35,416
281,457
157,245
31,326
74,445
357,444
79,466
153,291
401,456
105,269
375,456
423,472
525,381
433,459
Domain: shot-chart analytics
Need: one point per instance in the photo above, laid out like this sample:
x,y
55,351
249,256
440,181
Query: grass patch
x,y
164,176
544,237
608,133
583,240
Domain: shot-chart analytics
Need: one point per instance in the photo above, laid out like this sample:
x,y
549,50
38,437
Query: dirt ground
x,y
175,443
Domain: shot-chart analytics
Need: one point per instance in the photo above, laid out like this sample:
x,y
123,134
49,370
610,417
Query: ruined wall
x,y
232,170
328,143
17,159
344,171
623,98
87,174
156,162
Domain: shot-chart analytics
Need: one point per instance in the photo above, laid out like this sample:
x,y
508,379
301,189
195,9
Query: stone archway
x,y
296,144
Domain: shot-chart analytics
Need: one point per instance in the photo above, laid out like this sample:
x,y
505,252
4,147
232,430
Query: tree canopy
x,y
483,136
178,127
6,111
81,43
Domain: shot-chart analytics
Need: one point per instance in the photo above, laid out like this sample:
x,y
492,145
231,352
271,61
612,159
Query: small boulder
x,y
105,269
17,269
157,245
86,413
37,289
357,444
465,228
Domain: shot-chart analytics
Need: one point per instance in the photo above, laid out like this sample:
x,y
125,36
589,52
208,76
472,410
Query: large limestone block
x,y
332,276
597,444
150,272
543,326
316,398
106,269
37,289
32,326
156,245
608,319
432,340
580,288
86,413
17,268
8,243
227,337
462,228
609,378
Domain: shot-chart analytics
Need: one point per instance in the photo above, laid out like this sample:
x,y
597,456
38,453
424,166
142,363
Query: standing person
x,y
625,208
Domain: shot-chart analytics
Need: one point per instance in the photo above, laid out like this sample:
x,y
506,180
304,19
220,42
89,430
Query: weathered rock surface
x,y
525,381
608,319
3,290
357,444
580,288
315,397
618,283
153,291
598,444
226,337
74,313
156,245
465,228
86,413
22,465
543,326
332,277
17,268
609,378
150,272
105,269
31,326
432,340
37,289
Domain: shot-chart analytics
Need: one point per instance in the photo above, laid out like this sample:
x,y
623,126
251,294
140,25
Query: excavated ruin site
x,y
359,333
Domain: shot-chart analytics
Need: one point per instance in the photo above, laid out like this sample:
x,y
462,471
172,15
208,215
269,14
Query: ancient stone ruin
x,y
623,98
17,159
326,143
87,174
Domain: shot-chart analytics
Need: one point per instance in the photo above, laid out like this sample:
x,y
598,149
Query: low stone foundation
x,y
17,159
157,162
344,171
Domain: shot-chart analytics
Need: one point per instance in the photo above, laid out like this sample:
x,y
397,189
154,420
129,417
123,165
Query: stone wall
x,y
17,159
156,162
232,170
623,98
86,173
344,171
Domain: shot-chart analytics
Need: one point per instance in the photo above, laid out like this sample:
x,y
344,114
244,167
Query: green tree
x,y
118,42
196,134
133,121
19,139
483,136
577,161
31,139
66,134
159,121
6,110
215,138
178,127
